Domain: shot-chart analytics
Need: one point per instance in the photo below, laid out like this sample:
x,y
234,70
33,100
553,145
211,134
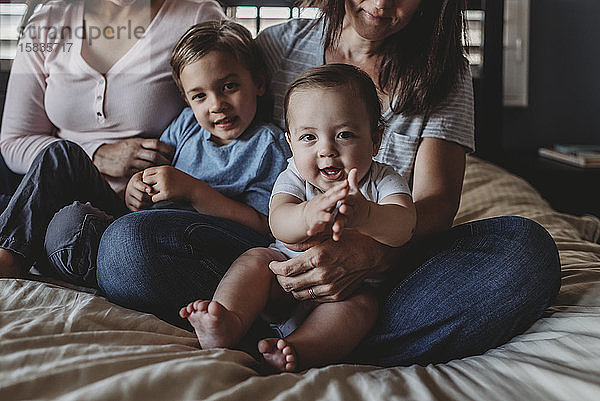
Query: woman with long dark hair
x,y
452,291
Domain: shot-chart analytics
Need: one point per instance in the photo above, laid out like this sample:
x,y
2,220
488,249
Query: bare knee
x,y
257,260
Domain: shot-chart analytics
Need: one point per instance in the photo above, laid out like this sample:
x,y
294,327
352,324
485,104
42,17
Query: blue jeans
x,y
474,288
8,180
8,183
50,220
172,257
467,290
158,261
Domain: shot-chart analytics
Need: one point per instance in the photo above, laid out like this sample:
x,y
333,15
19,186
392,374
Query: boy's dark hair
x,y
422,63
225,36
340,75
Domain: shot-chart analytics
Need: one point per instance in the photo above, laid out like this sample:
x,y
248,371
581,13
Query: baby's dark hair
x,y
226,36
340,75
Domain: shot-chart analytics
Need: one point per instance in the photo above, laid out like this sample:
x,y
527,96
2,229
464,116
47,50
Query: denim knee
x,y
126,248
540,262
489,281
160,260
72,241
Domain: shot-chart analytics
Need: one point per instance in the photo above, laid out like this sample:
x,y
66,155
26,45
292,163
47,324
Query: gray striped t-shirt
x,y
292,47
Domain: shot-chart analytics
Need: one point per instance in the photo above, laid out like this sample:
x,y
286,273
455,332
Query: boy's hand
x,y
318,211
354,210
167,183
136,193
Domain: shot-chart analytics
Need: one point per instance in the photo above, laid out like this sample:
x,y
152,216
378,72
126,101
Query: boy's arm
x,y
207,200
169,183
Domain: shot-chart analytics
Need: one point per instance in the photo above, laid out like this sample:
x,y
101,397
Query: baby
x,y
330,184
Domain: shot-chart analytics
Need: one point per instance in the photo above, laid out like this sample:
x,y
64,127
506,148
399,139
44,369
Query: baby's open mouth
x,y
332,173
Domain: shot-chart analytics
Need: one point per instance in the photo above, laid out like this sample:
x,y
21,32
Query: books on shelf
x,y
576,155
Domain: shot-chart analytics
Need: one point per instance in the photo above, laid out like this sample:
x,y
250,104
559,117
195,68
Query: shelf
x,y
569,189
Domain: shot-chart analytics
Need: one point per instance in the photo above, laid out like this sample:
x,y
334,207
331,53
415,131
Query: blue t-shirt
x,y
243,170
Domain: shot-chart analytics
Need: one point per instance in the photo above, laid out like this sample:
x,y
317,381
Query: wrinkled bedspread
x,y
62,344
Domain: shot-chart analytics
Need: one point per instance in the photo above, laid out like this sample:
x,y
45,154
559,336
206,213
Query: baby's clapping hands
x,y
318,212
352,206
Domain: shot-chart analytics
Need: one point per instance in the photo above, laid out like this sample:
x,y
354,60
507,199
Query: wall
x,y
564,77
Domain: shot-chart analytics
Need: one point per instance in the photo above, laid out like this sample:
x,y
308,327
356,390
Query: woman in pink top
x,y
96,73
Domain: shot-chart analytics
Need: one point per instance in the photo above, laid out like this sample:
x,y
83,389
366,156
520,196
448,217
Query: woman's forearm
x,y
19,152
434,215
437,184
390,224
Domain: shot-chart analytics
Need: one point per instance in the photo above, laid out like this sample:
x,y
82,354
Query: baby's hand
x,y
136,193
318,211
354,210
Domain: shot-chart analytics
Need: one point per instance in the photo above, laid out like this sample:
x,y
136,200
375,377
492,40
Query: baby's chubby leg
x,y
329,333
240,297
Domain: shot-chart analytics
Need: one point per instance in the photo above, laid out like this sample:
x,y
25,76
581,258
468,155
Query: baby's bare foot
x,y
278,354
215,325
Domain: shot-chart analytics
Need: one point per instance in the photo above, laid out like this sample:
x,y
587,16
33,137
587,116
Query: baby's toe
x,y
267,346
287,350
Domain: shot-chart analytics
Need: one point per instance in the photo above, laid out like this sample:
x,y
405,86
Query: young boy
x,y
224,164
226,160
332,183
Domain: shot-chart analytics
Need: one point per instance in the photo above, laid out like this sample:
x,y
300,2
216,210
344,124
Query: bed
x,y
67,344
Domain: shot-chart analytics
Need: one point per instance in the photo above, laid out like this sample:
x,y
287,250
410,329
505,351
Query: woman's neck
x,y
360,52
354,48
101,52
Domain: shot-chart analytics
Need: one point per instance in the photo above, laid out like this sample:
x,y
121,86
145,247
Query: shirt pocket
x,y
399,151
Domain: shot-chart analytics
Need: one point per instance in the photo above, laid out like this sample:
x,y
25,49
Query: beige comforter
x,y
59,343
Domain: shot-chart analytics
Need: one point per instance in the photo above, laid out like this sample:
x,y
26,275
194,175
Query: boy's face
x,y
330,134
222,94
